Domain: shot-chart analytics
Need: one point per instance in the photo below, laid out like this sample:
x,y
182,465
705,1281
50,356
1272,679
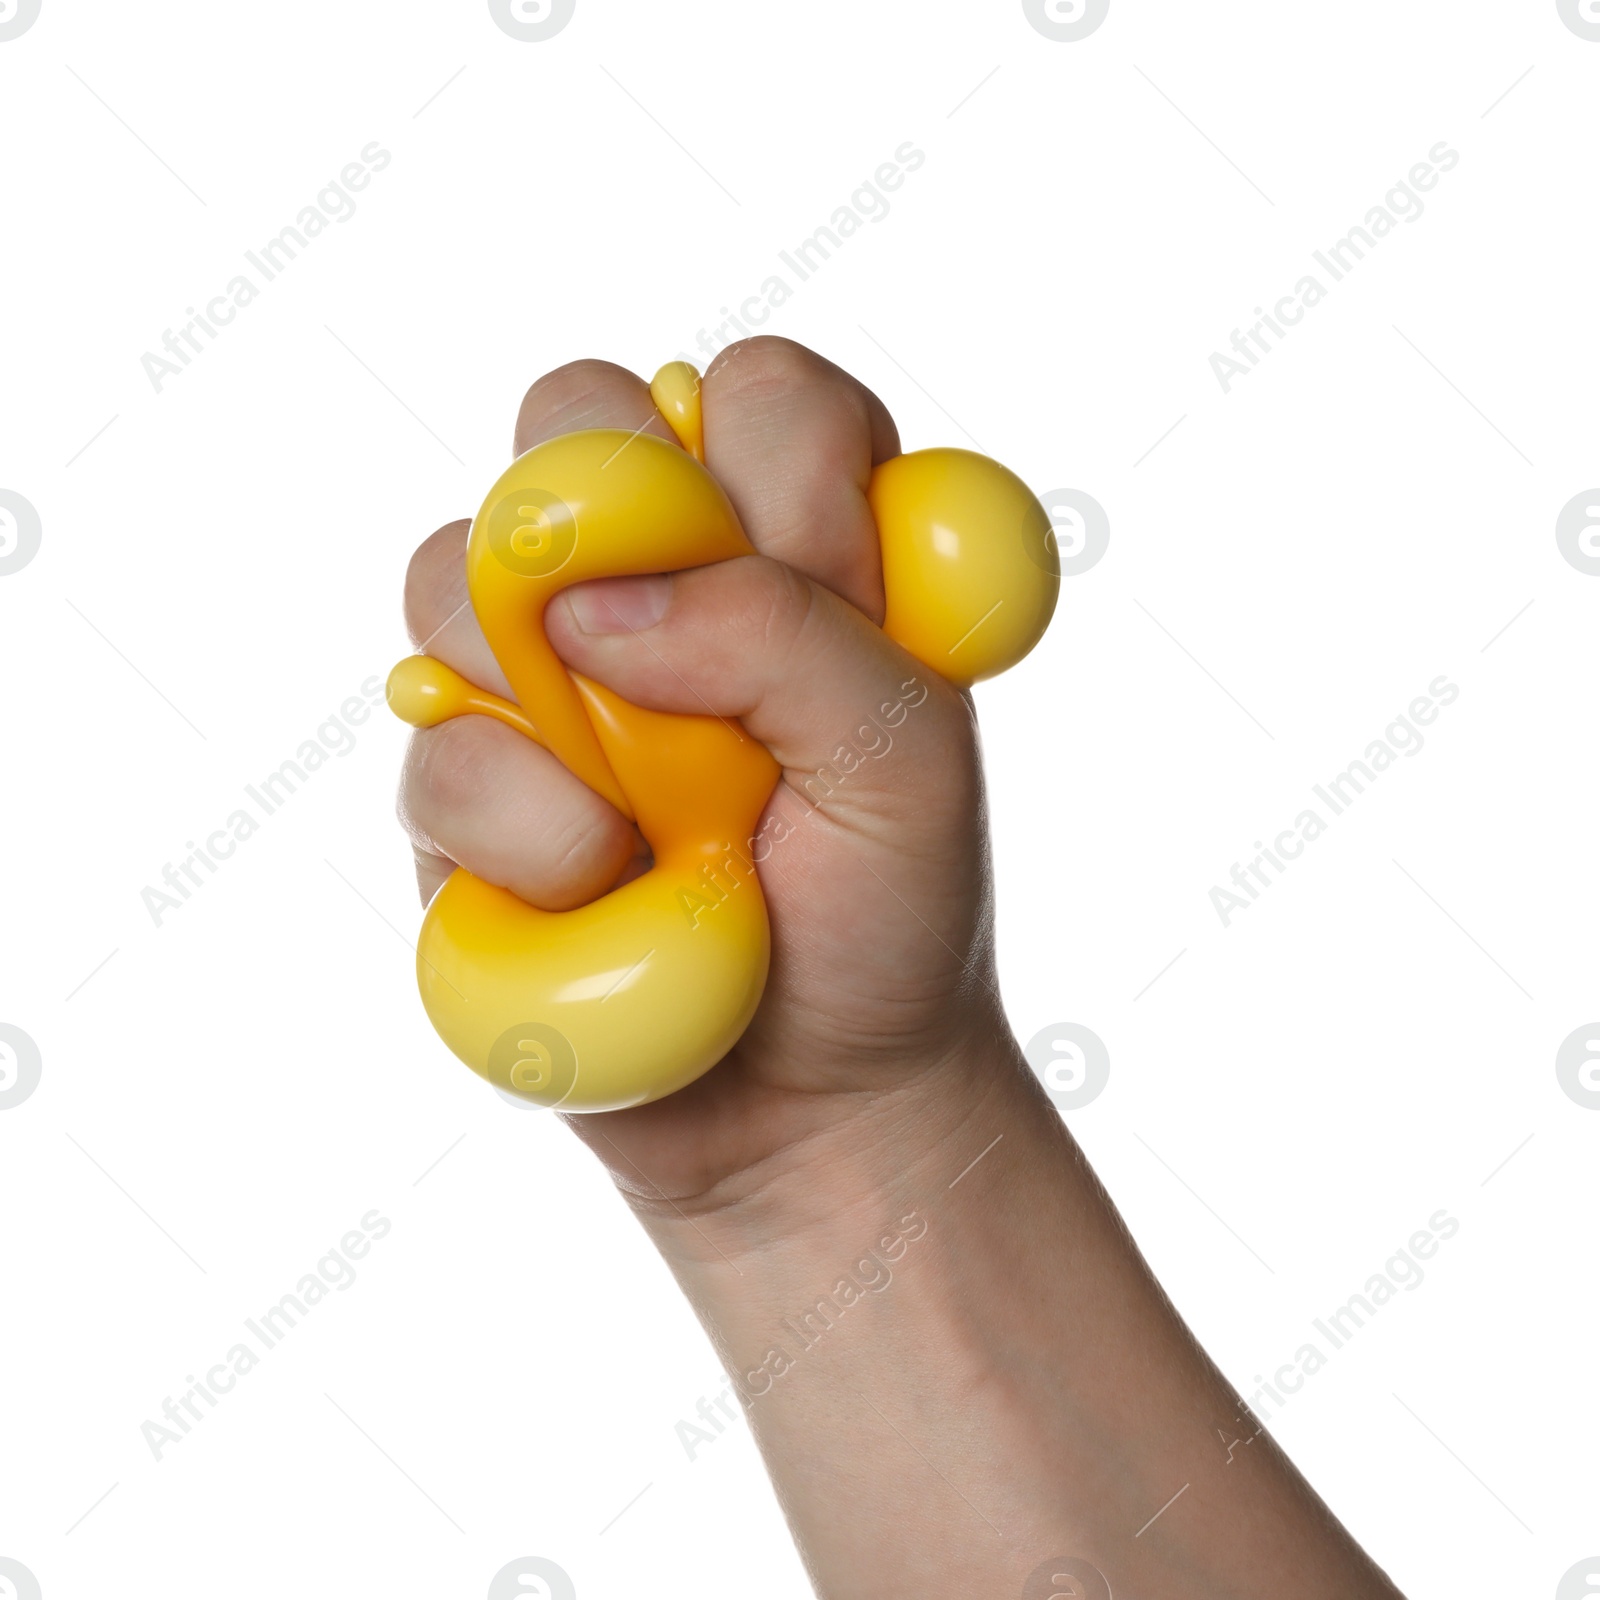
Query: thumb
x,y
852,717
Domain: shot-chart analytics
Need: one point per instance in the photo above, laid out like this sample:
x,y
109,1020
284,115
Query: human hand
x,y
872,849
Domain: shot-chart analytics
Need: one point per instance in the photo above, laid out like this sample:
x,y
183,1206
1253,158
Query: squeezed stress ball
x,y
631,997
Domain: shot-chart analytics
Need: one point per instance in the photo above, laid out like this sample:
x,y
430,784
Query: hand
x,y
872,850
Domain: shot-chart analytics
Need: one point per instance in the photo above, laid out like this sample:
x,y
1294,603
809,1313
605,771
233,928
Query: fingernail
x,y
620,605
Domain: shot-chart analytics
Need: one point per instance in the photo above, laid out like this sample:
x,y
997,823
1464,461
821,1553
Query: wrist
x,y
851,1161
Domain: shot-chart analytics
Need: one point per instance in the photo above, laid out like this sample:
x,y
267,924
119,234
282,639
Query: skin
x,y
1012,1387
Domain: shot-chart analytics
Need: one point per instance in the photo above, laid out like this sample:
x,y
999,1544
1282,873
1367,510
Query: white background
x,y
225,1095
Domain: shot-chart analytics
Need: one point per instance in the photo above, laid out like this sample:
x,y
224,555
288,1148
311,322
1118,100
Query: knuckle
x,y
583,846
569,392
764,364
782,605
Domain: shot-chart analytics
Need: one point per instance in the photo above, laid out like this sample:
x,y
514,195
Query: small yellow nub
x,y
676,392
425,692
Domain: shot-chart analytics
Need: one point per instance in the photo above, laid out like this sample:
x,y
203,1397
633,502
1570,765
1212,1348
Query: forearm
x,y
958,1367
